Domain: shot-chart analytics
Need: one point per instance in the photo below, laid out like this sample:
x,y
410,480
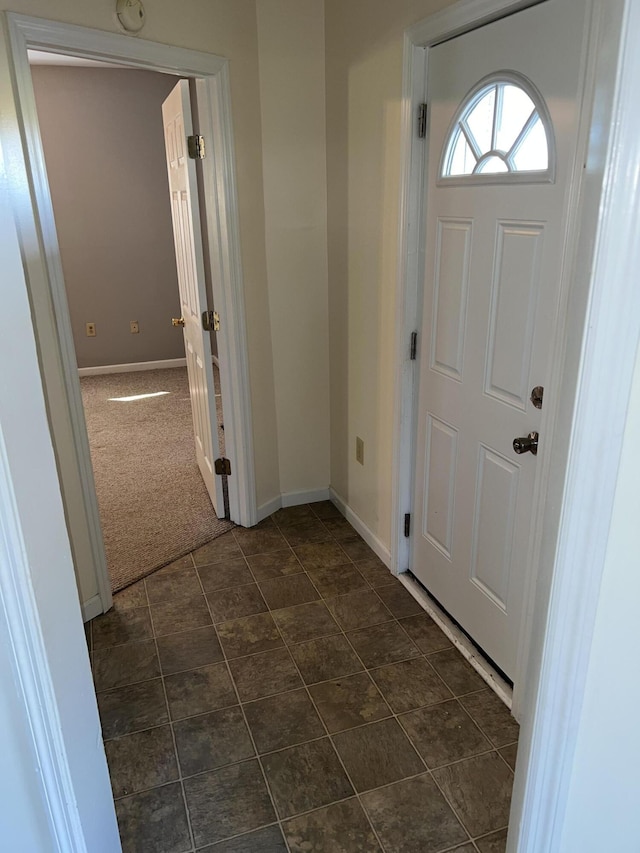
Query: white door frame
x,y
45,270
597,336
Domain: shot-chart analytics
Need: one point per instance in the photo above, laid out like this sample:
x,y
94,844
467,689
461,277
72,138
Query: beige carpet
x,y
153,503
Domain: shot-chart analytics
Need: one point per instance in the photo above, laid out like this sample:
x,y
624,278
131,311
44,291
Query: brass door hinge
x,y
195,147
211,321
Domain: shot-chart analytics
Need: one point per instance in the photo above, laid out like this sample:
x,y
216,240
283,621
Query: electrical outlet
x,y
91,330
359,450
134,326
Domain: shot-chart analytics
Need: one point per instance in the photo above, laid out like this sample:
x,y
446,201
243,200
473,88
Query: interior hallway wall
x,y
292,100
103,142
364,50
229,30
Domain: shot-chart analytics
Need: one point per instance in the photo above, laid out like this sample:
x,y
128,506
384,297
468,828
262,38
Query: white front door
x,y
503,106
185,215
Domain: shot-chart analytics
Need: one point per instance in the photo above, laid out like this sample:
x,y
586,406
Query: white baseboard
x,y
297,498
356,522
291,499
459,640
132,367
268,508
92,608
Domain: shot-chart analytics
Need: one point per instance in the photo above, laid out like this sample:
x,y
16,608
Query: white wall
x,y
364,45
604,792
291,51
23,814
36,570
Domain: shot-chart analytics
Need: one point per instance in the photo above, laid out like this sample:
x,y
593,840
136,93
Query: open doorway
x,y
58,378
102,135
210,77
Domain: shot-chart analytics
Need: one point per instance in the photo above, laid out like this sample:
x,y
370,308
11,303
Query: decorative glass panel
x,y
480,121
499,129
463,160
533,153
516,107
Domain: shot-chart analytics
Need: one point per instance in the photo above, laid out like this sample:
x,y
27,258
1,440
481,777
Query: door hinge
x,y
211,321
222,466
195,147
422,121
413,348
407,524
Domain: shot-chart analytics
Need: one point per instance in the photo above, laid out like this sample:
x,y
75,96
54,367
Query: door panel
x,y
185,214
453,252
439,488
493,524
514,295
493,259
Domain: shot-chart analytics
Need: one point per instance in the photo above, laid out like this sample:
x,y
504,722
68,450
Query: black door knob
x,y
527,444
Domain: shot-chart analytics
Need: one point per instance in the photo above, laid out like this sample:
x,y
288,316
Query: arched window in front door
x,y
501,133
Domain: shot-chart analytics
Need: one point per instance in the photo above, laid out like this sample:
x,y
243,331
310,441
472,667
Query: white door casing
x,y
22,149
185,217
493,264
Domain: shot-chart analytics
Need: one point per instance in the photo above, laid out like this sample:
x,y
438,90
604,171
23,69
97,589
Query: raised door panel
x,y
493,525
514,296
452,265
441,452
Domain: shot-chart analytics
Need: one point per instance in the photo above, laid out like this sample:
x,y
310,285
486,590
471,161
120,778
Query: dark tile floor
x,y
279,690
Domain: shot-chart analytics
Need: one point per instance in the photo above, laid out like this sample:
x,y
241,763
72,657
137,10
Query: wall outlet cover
x,y
91,330
134,326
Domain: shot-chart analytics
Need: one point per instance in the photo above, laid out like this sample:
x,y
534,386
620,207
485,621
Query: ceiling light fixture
x,y
131,15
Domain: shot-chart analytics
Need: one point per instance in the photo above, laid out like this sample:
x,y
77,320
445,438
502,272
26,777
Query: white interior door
x,y
185,214
495,228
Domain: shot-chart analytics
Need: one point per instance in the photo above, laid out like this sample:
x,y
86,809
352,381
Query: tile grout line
x,y
162,676
248,728
287,646
173,734
402,729
455,698
487,736
333,746
395,716
282,748
306,688
335,750
486,835
315,808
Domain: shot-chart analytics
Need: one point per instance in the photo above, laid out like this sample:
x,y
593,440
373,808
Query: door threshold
x,y
467,649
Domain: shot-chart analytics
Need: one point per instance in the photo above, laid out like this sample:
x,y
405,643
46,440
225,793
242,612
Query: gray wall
x,y
103,143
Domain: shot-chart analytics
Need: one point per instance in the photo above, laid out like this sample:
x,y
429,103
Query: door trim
x,y
564,566
42,257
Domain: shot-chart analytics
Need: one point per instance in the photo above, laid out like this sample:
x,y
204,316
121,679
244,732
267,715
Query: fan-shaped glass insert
x,y
499,130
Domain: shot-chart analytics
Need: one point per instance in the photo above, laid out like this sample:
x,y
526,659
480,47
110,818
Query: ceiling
x,y
41,57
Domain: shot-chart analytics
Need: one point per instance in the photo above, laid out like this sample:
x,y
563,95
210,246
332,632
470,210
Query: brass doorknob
x,y
177,321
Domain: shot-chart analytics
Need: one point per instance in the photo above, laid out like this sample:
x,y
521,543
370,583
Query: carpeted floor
x,y
153,503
